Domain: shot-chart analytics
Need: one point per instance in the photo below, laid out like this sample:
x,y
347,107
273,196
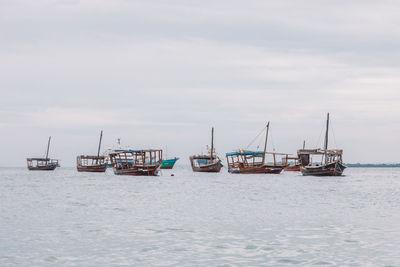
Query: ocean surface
x,y
66,218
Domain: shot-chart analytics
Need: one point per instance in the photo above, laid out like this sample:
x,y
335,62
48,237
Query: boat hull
x,y
295,168
144,171
43,168
331,169
215,167
257,170
168,163
101,168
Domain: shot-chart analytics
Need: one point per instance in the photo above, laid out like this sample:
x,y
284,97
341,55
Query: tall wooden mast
x,y
266,140
326,136
212,142
48,147
98,150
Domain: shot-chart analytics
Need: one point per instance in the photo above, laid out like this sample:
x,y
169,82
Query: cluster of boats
x,y
148,162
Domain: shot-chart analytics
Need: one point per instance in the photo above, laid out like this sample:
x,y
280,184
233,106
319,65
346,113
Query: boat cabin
x,y
136,162
331,155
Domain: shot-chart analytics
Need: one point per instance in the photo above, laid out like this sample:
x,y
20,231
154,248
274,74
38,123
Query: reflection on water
x,y
69,218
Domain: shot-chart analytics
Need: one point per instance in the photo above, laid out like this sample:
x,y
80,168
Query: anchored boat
x,y
97,163
331,159
136,162
206,163
247,162
43,164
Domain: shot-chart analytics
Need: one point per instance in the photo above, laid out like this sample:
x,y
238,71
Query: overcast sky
x,y
157,73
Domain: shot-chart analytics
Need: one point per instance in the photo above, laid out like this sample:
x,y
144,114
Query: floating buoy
x,y
172,174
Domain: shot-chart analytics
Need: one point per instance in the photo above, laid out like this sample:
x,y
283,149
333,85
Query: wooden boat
x,y
43,164
331,163
136,162
248,162
168,163
252,162
206,163
92,163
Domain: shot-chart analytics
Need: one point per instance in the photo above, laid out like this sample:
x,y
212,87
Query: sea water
x,y
66,218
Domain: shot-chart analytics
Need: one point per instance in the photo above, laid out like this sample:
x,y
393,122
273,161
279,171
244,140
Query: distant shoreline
x,y
369,165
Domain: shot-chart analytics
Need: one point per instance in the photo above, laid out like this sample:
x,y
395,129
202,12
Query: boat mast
x,y
265,145
326,136
48,147
304,144
212,142
98,150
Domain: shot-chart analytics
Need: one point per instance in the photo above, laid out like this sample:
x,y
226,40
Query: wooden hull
x,y
101,168
168,163
138,171
257,170
331,169
43,168
295,168
215,167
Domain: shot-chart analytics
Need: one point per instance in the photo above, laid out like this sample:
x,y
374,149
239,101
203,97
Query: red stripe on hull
x,y
290,169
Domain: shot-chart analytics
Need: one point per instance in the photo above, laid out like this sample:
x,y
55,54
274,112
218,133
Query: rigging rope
x,y
256,137
273,143
319,138
334,137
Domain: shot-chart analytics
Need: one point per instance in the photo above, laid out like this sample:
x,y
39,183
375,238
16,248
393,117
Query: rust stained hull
x,y
331,169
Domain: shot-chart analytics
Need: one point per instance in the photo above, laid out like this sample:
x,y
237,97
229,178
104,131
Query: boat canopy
x,y
319,151
91,157
133,151
40,159
245,152
252,153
